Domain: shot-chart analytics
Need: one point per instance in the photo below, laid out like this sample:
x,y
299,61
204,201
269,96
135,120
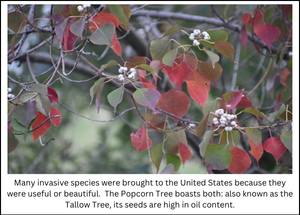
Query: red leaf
x,y
140,140
55,121
133,62
39,119
146,83
198,87
256,151
258,16
267,33
178,73
69,38
274,146
190,60
247,19
244,102
287,9
115,45
240,161
231,99
244,35
283,76
175,102
158,121
185,152
52,95
101,19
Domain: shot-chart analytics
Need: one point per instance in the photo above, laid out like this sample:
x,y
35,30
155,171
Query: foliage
x,y
178,89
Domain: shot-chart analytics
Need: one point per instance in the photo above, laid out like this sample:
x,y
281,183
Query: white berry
x,y
80,8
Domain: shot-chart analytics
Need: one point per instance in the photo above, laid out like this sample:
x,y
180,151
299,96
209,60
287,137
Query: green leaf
x,y
287,140
147,97
213,57
170,57
156,156
95,87
12,142
173,159
103,35
16,21
217,156
205,141
147,67
201,128
110,63
254,111
170,31
158,48
276,114
218,35
255,135
210,106
115,97
46,104
24,113
231,138
78,27
39,88
225,48
118,11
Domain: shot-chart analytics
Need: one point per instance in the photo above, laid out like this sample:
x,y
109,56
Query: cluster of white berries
x,y
80,8
225,120
196,35
9,95
192,125
124,74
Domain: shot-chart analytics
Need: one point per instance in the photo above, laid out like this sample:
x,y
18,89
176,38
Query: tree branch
x,y
201,19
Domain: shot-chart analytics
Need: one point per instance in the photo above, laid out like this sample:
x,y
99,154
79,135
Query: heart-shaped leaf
x,y
274,146
115,97
158,48
175,102
267,33
170,31
231,99
140,140
57,120
52,95
103,35
255,135
170,57
205,142
217,156
212,73
198,87
173,159
213,57
184,152
147,97
156,156
256,150
78,27
287,139
39,119
225,48
240,161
